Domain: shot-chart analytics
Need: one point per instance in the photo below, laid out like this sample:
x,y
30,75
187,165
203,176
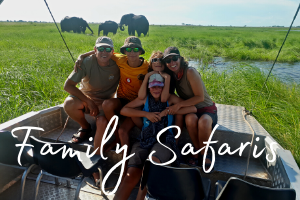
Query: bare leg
x,y
204,131
101,124
131,179
178,122
112,107
191,121
124,129
138,121
142,193
74,108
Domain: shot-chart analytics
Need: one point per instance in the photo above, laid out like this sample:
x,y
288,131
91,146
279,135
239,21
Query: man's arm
x,y
70,87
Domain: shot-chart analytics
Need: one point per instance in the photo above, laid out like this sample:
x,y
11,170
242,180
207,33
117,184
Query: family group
x,y
142,91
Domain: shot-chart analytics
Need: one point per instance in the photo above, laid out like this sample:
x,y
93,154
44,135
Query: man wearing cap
x,y
99,79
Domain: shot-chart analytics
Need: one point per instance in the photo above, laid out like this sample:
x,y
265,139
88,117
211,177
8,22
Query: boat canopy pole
x,y
253,106
246,112
59,30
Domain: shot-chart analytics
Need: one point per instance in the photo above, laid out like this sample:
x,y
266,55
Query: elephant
x,y
108,26
138,23
76,24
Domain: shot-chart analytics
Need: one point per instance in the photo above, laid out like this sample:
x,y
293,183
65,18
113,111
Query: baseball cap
x,y
171,51
156,80
104,41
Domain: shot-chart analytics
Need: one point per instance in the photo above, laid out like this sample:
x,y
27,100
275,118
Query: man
x,y
99,79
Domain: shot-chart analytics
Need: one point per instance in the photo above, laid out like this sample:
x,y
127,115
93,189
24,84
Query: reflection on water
x,y
286,72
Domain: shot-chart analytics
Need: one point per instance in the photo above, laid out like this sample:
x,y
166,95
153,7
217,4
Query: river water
x,y
286,72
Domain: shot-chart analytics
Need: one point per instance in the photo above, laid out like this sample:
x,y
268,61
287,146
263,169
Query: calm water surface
x,y
286,72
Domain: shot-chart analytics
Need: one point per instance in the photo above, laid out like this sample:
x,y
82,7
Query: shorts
x,y
123,101
87,111
141,155
213,113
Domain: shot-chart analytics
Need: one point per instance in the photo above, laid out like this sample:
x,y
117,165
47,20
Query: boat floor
x,y
225,166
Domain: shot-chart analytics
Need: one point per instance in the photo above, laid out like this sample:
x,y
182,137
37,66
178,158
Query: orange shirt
x,y
129,84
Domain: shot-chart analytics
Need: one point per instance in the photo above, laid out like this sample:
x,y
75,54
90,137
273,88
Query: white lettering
x,y
157,137
25,139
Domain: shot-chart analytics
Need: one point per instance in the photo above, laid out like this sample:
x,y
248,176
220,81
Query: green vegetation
x,y
35,63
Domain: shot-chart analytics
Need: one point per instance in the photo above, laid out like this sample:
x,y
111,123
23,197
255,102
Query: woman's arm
x,y
174,100
195,79
130,111
143,89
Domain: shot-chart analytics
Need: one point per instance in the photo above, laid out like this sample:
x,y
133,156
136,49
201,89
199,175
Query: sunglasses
x,y
107,49
128,49
156,60
168,60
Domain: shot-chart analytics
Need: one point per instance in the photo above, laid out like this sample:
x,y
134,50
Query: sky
x,y
168,12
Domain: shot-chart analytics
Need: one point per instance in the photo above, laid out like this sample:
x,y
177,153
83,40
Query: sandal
x,y
96,184
82,138
191,161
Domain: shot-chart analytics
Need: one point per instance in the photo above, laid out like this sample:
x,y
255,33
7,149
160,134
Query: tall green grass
x,y
276,105
35,63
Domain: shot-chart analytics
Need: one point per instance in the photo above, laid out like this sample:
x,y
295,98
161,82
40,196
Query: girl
x,y
155,118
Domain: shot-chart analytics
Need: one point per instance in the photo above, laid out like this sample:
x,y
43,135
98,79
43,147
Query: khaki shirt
x,y
97,82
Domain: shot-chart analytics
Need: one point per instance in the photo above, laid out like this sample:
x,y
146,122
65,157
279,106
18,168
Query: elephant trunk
x,y
122,27
90,29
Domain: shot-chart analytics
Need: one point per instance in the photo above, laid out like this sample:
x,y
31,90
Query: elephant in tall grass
x,y
75,24
108,26
138,23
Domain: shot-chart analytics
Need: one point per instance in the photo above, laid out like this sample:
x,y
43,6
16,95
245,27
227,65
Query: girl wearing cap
x,y
191,89
155,118
157,66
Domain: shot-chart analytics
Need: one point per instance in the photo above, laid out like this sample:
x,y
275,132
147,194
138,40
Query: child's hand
x,y
164,113
150,73
164,75
153,116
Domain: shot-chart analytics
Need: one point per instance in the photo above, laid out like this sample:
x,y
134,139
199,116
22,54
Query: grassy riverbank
x,y
35,63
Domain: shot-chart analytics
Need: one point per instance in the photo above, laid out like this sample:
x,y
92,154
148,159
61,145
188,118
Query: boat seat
x,y
170,183
237,189
58,167
9,154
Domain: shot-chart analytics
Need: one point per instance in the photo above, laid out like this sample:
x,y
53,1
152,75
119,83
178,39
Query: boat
x,y
269,164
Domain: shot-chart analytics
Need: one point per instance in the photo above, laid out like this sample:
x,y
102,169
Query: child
x,y
155,118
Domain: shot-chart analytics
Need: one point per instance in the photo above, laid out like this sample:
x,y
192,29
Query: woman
x,y
191,89
155,118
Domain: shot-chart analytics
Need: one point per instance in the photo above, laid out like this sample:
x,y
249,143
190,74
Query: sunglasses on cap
x,y
128,49
101,49
156,60
168,60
